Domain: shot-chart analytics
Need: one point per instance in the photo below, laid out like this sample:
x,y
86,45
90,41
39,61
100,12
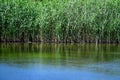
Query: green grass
x,y
60,20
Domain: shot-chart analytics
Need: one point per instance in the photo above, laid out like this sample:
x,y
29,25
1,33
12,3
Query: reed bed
x,y
63,21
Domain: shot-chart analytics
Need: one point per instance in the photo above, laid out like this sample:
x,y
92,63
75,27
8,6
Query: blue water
x,y
50,72
57,66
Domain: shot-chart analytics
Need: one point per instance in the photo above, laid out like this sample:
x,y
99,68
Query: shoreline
x,y
60,42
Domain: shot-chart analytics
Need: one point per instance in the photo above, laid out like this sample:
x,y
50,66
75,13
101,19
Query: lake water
x,y
59,62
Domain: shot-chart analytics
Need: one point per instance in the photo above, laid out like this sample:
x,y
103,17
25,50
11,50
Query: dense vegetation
x,y
60,21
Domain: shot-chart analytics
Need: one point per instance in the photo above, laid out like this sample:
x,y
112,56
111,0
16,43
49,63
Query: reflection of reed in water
x,y
62,54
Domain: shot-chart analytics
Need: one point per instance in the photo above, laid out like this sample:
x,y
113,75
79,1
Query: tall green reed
x,y
60,20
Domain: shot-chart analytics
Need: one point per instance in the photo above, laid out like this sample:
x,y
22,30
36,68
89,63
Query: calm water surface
x,y
59,62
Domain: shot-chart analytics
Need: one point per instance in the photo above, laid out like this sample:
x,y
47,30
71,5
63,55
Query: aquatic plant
x,y
60,21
